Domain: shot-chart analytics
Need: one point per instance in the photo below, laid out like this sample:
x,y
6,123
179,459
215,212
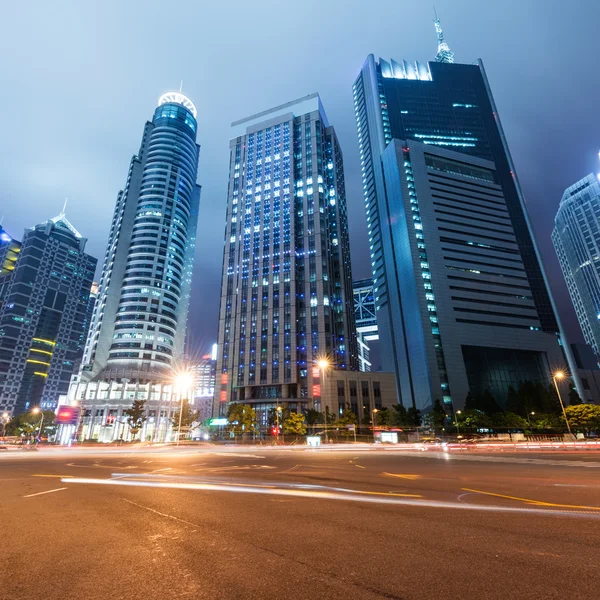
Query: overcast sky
x,y
79,79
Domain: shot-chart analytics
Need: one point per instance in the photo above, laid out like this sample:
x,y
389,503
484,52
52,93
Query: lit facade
x,y
576,239
286,296
139,321
475,227
366,320
45,286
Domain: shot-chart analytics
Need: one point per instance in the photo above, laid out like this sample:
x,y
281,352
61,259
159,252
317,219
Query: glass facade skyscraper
x,y
45,284
139,321
286,296
576,239
446,113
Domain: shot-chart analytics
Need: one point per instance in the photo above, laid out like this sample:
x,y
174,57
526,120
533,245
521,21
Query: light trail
x,y
323,493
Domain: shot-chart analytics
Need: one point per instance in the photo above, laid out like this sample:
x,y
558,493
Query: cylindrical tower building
x,y
139,323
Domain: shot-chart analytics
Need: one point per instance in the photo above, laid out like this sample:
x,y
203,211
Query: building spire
x,y
64,208
444,54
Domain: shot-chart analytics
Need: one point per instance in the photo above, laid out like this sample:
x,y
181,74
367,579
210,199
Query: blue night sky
x,y
79,79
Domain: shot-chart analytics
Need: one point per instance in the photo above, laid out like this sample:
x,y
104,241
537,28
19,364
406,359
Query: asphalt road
x,y
298,524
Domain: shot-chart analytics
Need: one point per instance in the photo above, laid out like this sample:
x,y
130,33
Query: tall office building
x,y
139,321
286,296
576,239
45,286
462,300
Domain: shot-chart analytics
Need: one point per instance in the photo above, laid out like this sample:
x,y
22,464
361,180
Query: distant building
x,y
366,321
137,338
461,298
286,297
588,372
204,373
576,239
45,286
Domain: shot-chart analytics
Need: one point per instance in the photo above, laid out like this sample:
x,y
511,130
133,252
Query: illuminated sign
x,y
68,415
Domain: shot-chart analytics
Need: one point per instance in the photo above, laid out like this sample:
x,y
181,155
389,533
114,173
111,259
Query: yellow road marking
x,y
360,466
530,501
403,475
45,475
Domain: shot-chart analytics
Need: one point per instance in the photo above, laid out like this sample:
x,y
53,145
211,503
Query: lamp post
x,y
183,381
35,411
458,412
323,364
5,418
277,410
555,376
531,414
375,411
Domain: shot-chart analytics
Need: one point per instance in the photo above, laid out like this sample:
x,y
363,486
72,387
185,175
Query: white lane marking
x,y
46,492
159,470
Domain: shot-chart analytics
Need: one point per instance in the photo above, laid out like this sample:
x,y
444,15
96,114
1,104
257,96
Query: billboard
x,y
68,415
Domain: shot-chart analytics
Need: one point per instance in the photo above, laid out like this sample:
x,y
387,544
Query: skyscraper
x,y
286,296
462,301
576,239
45,286
139,321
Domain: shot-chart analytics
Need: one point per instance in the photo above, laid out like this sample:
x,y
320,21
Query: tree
x,y
509,420
487,403
401,416
188,417
472,419
242,419
414,417
346,418
437,417
574,398
583,417
295,424
136,416
28,423
546,421
313,416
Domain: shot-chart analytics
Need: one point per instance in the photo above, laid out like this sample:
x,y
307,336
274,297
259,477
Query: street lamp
x,y
375,411
35,411
323,364
5,419
278,409
555,376
458,412
183,381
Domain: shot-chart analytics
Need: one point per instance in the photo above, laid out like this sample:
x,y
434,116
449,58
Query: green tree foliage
x,y
472,419
574,398
346,418
28,424
242,419
546,421
188,416
136,416
437,417
414,417
314,416
583,418
295,424
509,420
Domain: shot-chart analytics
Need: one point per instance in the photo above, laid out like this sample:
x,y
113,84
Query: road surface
x,y
298,524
